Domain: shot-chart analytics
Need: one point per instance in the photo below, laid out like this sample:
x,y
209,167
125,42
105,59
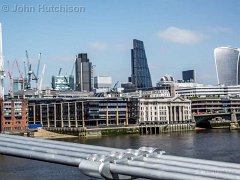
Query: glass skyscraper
x,y
227,65
188,76
83,70
141,77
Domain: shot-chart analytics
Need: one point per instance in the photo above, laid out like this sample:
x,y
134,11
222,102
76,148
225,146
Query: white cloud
x,y
98,45
182,36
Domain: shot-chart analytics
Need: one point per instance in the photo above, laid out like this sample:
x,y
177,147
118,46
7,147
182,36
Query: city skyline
x,y
178,35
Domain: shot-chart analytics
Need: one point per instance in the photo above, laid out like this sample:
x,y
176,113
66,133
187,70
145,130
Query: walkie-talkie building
x,y
141,77
227,65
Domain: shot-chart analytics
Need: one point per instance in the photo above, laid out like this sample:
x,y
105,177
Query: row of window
x,y
9,122
154,119
155,107
155,113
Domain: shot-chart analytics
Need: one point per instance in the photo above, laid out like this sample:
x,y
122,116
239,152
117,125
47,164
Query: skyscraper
x,y
188,76
227,65
83,69
141,77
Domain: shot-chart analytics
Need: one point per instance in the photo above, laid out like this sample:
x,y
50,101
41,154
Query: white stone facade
x,y
164,110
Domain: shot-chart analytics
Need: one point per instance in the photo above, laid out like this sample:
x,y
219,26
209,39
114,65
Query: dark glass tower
x,y
83,70
141,77
188,76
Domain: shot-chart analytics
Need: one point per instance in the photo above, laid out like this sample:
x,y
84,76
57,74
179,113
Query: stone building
x,y
168,110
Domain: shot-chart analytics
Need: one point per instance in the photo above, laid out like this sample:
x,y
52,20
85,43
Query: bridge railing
x,y
113,163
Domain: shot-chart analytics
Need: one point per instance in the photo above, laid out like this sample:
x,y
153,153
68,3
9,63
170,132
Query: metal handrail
x,y
113,163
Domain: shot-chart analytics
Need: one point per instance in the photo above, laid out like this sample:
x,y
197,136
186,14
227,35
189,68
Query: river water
x,y
218,144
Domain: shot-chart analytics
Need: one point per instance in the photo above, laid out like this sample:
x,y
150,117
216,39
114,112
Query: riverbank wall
x,y
112,131
167,128
96,132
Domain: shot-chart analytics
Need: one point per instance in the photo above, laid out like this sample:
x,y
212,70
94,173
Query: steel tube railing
x,y
45,150
153,174
41,156
200,161
128,164
186,170
49,145
191,165
100,148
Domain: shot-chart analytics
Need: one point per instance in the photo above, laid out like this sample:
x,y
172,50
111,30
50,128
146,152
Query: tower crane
x,y
41,79
10,68
21,77
59,72
29,71
35,76
114,89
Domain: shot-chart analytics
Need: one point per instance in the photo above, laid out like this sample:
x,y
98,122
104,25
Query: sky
x,y
177,34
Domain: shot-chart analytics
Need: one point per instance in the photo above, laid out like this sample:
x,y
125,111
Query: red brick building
x,y
14,115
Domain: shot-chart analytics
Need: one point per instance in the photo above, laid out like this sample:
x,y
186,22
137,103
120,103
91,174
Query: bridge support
x,y
234,123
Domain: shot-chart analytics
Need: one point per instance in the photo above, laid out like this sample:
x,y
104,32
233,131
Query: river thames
x,y
217,144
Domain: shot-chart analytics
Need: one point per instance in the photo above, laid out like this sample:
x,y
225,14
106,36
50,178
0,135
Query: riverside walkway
x,y
112,163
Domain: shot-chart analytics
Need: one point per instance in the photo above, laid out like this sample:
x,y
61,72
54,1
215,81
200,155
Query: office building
x,y
13,115
63,83
19,84
102,83
200,90
227,65
215,105
188,76
128,87
93,72
89,112
83,68
158,110
167,79
140,77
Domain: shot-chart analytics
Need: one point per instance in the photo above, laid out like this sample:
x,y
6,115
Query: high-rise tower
x,y
141,77
83,69
227,65
1,65
189,76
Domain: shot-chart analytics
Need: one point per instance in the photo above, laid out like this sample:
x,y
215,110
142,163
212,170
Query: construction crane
x,y
114,89
41,79
21,78
29,71
39,59
59,72
35,76
10,69
25,74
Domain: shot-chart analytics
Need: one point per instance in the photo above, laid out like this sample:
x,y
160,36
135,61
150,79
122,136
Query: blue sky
x,y
178,35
